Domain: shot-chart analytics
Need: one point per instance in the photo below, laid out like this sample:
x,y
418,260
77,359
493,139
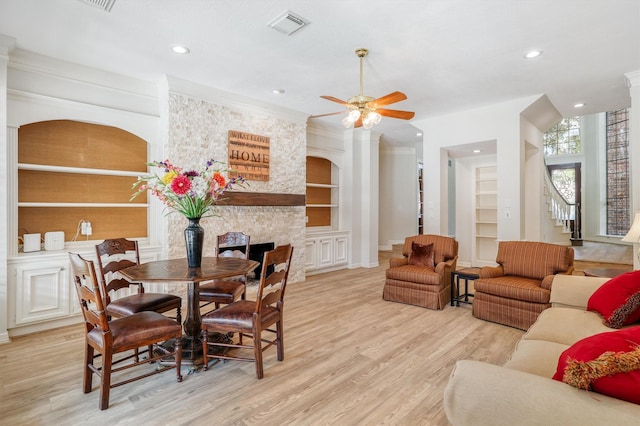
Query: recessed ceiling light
x,y
533,54
180,49
579,105
277,91
419,134
476,151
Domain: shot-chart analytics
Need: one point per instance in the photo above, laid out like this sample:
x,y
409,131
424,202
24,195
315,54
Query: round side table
x,y
606,272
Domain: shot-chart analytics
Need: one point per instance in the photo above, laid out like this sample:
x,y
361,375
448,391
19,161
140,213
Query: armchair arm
x,y
491,271
394,262
484,394
446,267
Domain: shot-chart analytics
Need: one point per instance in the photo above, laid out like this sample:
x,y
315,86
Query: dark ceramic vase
x,y
194,241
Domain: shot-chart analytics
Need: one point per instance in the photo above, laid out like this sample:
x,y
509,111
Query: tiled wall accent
x,y
198,130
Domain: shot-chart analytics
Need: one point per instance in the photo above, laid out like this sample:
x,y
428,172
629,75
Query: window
x,y
617,149
563,138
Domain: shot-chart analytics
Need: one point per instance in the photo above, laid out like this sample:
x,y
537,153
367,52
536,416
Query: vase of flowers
x,y
192,193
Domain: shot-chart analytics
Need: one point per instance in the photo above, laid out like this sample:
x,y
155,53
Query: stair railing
x,y
565,213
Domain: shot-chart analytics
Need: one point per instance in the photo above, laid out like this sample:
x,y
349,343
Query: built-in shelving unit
x,y
71,171
486,215
322,193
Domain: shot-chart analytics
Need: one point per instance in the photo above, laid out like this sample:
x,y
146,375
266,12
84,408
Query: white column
x,y
6,44
633,81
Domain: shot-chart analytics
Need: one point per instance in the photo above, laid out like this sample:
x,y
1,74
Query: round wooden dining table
x,y
177,271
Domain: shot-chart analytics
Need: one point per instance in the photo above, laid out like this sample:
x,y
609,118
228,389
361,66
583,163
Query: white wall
x,y
398,215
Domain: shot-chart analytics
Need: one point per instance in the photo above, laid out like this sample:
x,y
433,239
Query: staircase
x,y
566,215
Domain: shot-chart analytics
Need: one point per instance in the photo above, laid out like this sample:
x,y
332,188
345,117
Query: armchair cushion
x,y
618,300
517,288
421,255
415,274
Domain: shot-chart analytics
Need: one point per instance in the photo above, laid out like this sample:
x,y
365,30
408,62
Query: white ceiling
x,y
445,55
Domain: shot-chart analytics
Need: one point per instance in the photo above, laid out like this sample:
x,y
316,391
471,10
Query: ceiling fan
x,y
364,111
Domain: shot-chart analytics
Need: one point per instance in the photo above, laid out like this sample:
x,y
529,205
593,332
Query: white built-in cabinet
x,y
41,292
486,216
325,251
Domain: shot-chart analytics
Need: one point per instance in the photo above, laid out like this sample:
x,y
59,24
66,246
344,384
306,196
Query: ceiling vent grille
x,y
105,5
288,23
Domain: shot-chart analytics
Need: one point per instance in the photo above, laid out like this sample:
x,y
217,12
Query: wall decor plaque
x,y
248,156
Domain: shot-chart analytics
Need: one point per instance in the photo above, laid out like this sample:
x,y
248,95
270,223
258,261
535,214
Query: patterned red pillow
x,y
607,363
421,255
618,300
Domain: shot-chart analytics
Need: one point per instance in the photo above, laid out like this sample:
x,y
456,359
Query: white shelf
x,y
321,205
138,205
78,170
321,185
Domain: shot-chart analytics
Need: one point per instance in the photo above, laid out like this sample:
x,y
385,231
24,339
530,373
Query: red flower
x,y
180,185
219,179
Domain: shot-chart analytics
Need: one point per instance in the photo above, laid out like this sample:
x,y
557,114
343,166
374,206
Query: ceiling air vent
x,y
105,5
288,23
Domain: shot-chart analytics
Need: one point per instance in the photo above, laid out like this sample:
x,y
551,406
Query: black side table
x,y
466,274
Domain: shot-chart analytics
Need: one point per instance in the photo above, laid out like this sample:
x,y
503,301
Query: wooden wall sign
x,y
248,156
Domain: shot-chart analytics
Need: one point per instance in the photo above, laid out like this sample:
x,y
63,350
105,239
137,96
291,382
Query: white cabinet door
x,y
340,250
325,252
42,292
310,255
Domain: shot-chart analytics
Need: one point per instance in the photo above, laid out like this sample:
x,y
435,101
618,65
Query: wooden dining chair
x,y
119,253
141,329
252,318
225,291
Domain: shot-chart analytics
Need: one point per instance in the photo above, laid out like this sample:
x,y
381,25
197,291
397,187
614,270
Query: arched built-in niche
x,y
71,171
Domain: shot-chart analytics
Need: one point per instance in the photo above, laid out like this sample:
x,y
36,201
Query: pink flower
x,y
180,185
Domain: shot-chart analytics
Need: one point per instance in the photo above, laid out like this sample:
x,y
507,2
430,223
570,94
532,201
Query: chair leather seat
x,y
140,302
224,291
239,315
129,331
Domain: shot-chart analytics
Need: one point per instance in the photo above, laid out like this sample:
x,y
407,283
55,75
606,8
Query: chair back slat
x,y
89,293
272,287
233,239
114,255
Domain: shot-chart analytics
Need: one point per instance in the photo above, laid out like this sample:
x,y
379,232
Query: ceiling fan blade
x,y
358,123
394,113
332,99
391,98
331,113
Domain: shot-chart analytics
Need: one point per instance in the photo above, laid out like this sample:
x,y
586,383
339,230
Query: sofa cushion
x,y
537,357
618,300
516,288
421,255
533,259
565,326
607,363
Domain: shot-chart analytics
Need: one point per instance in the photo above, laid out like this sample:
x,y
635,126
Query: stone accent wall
x,y
198,130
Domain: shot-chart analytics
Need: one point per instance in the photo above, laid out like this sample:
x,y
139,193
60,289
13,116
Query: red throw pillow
x,y
607,363
421,255
618,300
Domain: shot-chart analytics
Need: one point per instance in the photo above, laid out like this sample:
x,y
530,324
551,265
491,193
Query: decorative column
x,y
633,81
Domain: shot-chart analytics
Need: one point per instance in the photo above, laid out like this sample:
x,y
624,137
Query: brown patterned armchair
x,y
408,281
518,289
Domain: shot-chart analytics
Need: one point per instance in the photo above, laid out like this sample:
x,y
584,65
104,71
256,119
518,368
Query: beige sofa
x,y
522,392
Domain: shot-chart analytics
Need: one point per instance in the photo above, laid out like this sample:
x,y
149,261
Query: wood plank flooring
x,y
350,359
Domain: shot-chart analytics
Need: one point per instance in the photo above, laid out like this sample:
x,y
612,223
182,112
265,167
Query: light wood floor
x,y
350,359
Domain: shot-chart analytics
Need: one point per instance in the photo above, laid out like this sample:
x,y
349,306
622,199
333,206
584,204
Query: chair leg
x,y
88,373
257,350
205,350
279,340
105,382
177,349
